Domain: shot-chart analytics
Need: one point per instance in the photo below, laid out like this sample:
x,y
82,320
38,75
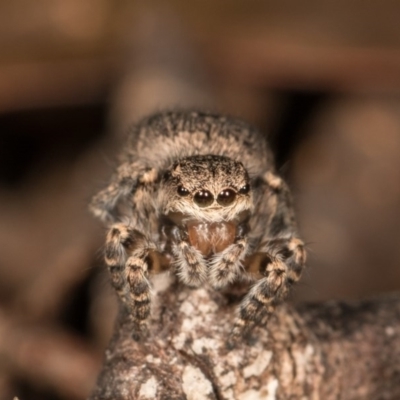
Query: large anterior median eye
x,y
226,197
203,198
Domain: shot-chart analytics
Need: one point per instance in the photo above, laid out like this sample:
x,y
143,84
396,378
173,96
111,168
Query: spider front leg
x,y
130,258
278,262
277,267
130,180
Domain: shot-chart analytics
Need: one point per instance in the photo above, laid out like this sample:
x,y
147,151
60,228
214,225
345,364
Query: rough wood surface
x,y
323,351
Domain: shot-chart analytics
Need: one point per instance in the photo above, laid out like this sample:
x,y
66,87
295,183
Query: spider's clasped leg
x,y
139,295
277,268
130,258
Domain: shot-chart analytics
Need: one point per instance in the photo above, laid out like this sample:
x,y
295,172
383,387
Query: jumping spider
x,y
198,193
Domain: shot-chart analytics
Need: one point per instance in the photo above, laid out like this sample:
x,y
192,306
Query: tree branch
x,y
323,351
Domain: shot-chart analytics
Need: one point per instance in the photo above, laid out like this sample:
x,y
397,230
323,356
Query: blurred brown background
x,y
321,79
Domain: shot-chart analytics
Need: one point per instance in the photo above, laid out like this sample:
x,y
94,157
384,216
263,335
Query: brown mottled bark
x,y
323,351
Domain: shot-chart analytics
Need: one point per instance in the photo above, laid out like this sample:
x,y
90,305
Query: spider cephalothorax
x,y
207,188
198,194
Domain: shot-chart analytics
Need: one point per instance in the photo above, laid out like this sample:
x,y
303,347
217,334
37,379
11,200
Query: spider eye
x,y
182,191
244,189
226,197
203,198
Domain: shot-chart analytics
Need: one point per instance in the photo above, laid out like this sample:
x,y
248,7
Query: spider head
x,y
206,188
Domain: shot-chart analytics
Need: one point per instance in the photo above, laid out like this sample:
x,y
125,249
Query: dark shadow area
x,y
31,141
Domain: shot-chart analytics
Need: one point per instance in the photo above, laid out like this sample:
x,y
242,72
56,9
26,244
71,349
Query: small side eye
x,y
203,198
182,191
226,197
245,189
